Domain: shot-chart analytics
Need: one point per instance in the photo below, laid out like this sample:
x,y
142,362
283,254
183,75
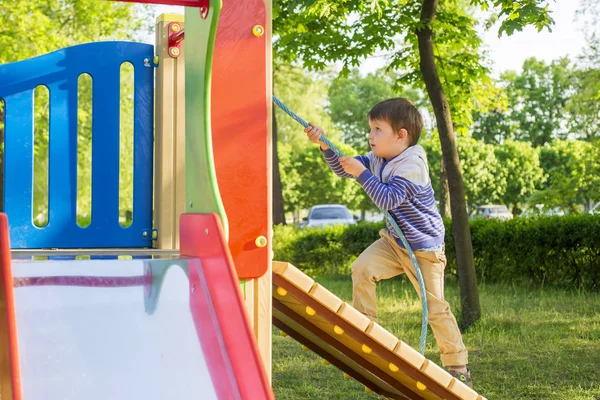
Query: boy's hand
x,y
314,133
352,166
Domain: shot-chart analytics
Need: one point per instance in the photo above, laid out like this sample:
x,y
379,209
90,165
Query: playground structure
x,y
362,349
201,205
213,295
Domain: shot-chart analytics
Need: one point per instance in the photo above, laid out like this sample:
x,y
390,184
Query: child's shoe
x,y
464,378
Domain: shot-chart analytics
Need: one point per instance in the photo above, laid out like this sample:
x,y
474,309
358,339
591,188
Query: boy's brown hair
x,y
400,113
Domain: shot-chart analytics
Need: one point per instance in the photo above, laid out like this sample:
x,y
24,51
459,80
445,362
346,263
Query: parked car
x,y
492,211
539,210
329,214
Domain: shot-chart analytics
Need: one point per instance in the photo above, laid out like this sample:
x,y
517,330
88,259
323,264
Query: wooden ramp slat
x,y
362,349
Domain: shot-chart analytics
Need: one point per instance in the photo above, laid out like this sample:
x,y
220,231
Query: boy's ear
x,y
402,134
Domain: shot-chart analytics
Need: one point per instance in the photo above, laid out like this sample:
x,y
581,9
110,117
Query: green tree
x,y
290,180
583,106
538,98
483,183
277,191
491,122
352,97
533,105
519,167
434,157
439,47
306,94
307,180
506,174
573,169
32,28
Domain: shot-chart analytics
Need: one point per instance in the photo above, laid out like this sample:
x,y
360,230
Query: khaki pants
x,y
384,259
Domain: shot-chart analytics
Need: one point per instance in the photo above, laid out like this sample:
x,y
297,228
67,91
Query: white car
x,y
329,214
492,211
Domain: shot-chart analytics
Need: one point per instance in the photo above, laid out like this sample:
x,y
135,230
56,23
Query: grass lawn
x,y
529,344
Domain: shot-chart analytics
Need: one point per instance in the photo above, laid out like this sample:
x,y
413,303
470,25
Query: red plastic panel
x,y
7,300
240,131
201,236
206,323
186,3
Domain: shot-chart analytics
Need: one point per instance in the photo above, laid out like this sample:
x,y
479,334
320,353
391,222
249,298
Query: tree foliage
x,y
319,33
352,97
483,183
350,100
583,106
535,109
538,98
322,32
491,122
573,169
307,180
306,95
518,166
33,28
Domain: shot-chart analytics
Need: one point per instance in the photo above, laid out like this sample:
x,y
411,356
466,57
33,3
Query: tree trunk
x,y
278,210
445,194
471,310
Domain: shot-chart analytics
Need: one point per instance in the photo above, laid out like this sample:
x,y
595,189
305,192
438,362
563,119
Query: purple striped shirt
x,y
411,205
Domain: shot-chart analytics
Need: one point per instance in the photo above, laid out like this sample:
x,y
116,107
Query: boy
x,y
395,176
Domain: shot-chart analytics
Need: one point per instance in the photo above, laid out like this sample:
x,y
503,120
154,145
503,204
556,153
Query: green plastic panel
x,y
202,189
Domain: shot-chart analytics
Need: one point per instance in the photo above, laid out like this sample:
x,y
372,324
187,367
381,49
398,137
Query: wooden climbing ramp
x,y
362,349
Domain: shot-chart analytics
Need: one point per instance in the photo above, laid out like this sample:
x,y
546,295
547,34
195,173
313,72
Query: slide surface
x,y
364,350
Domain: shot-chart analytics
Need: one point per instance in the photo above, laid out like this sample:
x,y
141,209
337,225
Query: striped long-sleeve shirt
x,y
402,187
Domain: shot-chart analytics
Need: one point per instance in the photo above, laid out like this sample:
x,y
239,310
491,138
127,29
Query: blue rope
x,y
389,219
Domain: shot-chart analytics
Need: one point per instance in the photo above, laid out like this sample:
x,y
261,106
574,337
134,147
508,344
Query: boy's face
x,y
384,141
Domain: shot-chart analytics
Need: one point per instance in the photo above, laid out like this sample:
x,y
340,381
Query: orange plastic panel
x,y
240,100
10,386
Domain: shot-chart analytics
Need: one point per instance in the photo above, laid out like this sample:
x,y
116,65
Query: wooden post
x,y
264,284
169,153
258,302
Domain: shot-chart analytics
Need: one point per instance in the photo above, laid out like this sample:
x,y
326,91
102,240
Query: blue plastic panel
x,y
60,71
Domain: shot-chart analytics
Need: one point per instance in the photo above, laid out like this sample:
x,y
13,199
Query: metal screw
x,y
258,30
206,232
191,204
145,234
146,62
193,288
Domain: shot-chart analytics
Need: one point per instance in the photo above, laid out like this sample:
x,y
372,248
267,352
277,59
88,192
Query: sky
x,y
508,53
566,39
